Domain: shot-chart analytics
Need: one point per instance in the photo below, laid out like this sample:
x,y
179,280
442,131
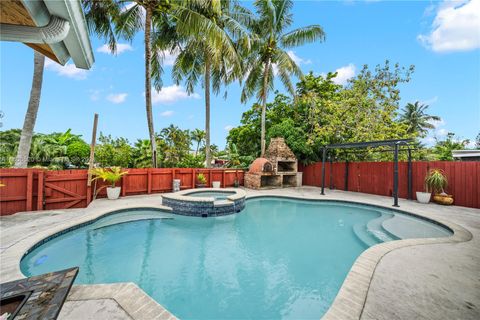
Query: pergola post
x,y
331,171
324,157
395,175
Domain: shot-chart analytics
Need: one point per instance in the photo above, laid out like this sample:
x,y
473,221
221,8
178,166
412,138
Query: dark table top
x,y
47,293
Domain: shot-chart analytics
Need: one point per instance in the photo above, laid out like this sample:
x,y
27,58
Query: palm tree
x,y
164,22
142,158
418,121
198,136
21,160
268,56
215,63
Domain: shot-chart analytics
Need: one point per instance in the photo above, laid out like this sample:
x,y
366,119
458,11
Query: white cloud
x,y
121,47
471,144
117,97
167,113
275,69
456,27
228,127
169,57
437,123
437,133
344,73
68,70
299,61
441,132
171,94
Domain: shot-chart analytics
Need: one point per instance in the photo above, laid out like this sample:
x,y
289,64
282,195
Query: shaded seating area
x,y
393,145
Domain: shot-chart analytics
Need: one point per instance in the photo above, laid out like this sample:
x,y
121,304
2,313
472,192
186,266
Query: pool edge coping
x,y
350,299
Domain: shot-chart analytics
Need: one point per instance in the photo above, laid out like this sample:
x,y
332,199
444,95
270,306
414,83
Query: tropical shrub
x,y
201,178
78,153
436,181
110,175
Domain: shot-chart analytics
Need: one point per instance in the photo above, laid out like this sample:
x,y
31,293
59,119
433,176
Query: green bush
x,y
78,153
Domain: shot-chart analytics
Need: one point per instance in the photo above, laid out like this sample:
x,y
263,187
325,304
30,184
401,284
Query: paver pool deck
x,y
406,279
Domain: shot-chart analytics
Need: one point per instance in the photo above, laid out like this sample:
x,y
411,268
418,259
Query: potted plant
x,y
424,197
110,175
202,181
436,181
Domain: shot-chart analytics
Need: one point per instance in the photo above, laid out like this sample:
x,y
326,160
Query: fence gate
x,y
65,190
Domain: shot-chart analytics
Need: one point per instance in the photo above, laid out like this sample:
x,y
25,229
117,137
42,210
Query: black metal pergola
x,y
395,145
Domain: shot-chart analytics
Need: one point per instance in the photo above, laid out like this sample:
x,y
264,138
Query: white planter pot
x,y
216,184
423,197
113,193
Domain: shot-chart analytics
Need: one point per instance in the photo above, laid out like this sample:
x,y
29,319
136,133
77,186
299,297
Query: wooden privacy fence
x,y
377,178
35,189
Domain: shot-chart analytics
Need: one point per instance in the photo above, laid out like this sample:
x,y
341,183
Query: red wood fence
x,y
34,189
377,178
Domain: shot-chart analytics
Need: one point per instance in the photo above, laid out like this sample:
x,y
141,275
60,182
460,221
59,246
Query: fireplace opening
x,y
290,180
286,166
270,181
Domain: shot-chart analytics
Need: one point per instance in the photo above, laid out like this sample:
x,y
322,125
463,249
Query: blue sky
x,y
441,39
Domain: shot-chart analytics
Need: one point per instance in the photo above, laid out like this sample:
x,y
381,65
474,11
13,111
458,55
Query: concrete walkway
x,y
407,279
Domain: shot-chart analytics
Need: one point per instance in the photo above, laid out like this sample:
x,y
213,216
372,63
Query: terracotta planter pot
x,y
443,199
113,193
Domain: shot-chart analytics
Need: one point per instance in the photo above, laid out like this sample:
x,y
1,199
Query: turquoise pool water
x,y
217,195
278,258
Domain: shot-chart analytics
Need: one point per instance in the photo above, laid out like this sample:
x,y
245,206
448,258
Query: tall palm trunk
x,y
21,160
264,105
207,111
148,86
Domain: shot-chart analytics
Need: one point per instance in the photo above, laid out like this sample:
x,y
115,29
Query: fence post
x,y
40,186
346,175
29,190
193,178
410,193
210,177
124,185
149,180
223,178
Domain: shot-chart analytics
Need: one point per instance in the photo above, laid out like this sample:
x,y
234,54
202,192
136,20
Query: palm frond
x,y
302,36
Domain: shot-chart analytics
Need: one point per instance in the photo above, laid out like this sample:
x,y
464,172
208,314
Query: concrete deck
x,y
406,279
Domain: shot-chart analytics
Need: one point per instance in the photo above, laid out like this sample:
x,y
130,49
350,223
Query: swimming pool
x,y
278,258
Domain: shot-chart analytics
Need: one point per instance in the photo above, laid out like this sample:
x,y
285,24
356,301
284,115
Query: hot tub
x,y
207,202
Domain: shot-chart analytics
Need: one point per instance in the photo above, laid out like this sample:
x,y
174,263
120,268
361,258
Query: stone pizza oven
x,y
276,170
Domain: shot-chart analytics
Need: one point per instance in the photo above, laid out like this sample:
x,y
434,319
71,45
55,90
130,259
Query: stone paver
x,y
407,279
106,309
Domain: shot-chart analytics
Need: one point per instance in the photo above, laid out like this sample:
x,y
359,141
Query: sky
x,y
442,40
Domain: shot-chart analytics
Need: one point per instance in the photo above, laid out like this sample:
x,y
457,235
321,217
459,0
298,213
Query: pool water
x,y
217,195
278,258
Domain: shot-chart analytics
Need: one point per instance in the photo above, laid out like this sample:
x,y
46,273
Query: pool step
x,y
129,217
364,236
375,227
